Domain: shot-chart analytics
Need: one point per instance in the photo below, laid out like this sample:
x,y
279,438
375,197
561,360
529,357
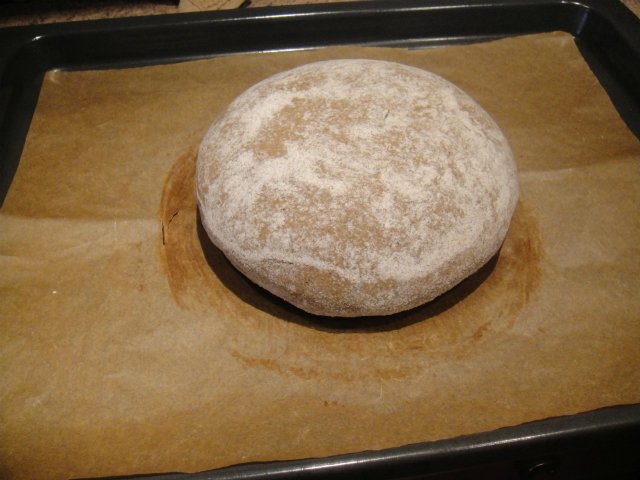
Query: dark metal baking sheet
x,y
599,444
596,444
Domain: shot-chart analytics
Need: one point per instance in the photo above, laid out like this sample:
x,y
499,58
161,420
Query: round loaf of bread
x,y
356,187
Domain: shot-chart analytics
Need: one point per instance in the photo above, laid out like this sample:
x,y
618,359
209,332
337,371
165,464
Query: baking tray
x,y
596,444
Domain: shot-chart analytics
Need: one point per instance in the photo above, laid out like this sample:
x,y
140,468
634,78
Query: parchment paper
x,y
129,345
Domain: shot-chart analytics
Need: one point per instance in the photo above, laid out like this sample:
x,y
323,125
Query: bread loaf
x,y
356,187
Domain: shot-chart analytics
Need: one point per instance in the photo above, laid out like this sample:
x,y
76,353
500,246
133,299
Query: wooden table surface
x,y
49,11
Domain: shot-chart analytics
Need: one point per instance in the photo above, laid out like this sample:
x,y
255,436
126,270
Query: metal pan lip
x,y
607,33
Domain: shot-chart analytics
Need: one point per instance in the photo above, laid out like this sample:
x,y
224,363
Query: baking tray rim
x,y
28,52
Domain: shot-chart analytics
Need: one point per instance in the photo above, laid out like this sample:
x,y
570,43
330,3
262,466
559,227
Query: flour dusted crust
x,y
356,187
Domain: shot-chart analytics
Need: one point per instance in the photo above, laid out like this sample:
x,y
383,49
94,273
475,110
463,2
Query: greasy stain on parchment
x,y
202,280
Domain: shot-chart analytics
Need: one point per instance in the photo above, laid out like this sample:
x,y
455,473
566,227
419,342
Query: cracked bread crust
x,y
356,187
